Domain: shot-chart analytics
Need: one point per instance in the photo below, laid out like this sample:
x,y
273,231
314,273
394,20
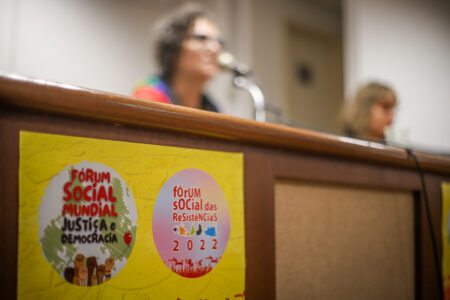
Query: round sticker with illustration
x,y
191,223
87,223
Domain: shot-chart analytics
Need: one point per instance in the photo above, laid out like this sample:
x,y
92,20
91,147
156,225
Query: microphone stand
x,y
241,81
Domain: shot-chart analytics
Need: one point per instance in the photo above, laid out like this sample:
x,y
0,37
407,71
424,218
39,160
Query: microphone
x,y
227,61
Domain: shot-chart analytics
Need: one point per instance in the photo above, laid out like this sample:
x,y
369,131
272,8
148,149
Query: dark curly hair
x,y
172,31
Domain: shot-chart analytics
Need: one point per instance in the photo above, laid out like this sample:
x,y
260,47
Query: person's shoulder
x,y
208,105
149,81
151,88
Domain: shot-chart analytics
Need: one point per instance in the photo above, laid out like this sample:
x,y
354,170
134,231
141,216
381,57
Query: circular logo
x,y
87,223
191,223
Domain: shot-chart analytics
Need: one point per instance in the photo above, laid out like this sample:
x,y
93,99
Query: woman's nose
x,y
389,117
213,45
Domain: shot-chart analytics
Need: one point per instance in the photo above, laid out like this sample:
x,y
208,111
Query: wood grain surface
x,y
70,100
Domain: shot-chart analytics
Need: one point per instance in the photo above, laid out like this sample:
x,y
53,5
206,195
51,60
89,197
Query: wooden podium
x,y
325,216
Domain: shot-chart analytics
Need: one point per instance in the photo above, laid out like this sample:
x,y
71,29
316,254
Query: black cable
x,y
430,226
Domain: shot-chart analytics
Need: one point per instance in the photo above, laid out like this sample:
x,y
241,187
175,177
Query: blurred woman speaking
x,y
187,47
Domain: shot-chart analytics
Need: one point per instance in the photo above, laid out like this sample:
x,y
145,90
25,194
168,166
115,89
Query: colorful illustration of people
x,y
86,271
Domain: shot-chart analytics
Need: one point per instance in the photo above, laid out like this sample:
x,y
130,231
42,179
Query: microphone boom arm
x,y
256,93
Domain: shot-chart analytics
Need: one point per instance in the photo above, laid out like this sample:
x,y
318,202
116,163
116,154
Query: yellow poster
x,y
101,219
446,238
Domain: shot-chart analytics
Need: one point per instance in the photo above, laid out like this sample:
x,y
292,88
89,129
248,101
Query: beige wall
x,y
314,103
271,21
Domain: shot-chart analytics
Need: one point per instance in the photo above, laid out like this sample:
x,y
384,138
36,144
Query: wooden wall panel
x,y
337,242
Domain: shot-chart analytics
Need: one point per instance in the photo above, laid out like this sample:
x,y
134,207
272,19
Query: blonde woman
x,y
371,112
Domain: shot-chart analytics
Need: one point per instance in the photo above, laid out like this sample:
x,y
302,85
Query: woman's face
x,y
198,56
381,115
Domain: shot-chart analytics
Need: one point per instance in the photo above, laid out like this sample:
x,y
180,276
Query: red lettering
x,y
113,210
77,193
181,204
175,246
90,210
106,211
102,194
67,193
94,209
110,194
202,247
106,177
73,174
85,193
85,211
188,207
89,175
76,210
67,209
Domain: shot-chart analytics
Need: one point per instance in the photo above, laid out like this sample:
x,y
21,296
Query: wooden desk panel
x,y
340,242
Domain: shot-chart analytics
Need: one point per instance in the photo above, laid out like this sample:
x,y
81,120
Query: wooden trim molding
x,y
50,97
